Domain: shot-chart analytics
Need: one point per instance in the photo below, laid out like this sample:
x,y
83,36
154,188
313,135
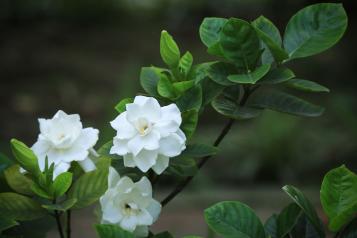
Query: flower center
x,y
143,126
131,209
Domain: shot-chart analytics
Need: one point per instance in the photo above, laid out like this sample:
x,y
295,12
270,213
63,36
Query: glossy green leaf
x,y
185,64
89,187
283,102
210,90
61,184
63,206
303,229
339,197
181,87
199,72
20,208
191,99
121,106
18,181
149,78
199,150
182,166
271,226
234,219
287,219
277,75
41,192
232,110
26,158
240,43
314,29
6,223
112,231
307,86
189,122
270,35
220,71
170,53
165,88
251,77
301,200
209,33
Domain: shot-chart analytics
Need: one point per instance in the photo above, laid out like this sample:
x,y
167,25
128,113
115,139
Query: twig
x,y
68,227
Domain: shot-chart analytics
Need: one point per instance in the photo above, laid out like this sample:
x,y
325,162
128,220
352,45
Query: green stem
x,y
68,227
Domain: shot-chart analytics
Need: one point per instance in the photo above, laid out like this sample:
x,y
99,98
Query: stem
x,y
204,160
59,225
68,228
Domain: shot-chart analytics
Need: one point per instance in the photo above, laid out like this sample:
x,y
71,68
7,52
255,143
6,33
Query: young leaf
x,y
185,64
183,86
18,181
314,29
339,197
198,72
287,219
191,99
61,184
121,106
307,86
271,226
89,187
165,88
170,53
240,43
18,207
300,199
277,75
112,231
209,33
199,150
270,35
6,223
63,206
182,166
232,110
149,78
219,72
283,102
234,219
251,77
189,122
26,158
41,192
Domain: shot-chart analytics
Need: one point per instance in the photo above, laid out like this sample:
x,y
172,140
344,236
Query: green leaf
x,y
63,206
251,77
189,122
18,207
271,226
191,99
199,72
39,191
170,53
121,106
183,86
220,71
287,219
307,86
314,29
350,231
61,184
182,166
210,90
199,150
234,219
240,43
283,102
112,231
185,64
149,78
270,35
209,33
339,197
164,234
232,110
6,223
104,150
303,229
18,181
165,88
89,187
301,200
25,157
277,75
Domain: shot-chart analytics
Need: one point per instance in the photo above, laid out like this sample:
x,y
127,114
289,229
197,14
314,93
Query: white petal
x,y
140,100
146,159
129,223
171,145
113,177
144,218
125,185
40,149
87,139
129,161
60,168
162,163
154,209
110,214
141,231
87,165
144,186
124,129
171,113
151,110
148,142
166,127
67,155
133,112
119,146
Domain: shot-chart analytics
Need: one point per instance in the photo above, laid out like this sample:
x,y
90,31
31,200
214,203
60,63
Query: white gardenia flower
x,y
148,135
63,140
129,205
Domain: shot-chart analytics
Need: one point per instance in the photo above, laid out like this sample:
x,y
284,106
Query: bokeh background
x,y
84,56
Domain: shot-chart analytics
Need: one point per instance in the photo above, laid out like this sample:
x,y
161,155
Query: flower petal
x,y
146,159
171,113
129,161
60,168
87,138
144,186
40,149
162,163
113,177
67,155
144,218
148,142
124,129
154,209
171,145
125,185
119,146
87,165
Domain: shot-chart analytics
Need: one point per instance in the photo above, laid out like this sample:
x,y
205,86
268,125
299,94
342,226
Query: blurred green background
x,y
84,56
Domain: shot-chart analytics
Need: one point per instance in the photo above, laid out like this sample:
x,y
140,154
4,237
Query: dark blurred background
x,y
84,56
